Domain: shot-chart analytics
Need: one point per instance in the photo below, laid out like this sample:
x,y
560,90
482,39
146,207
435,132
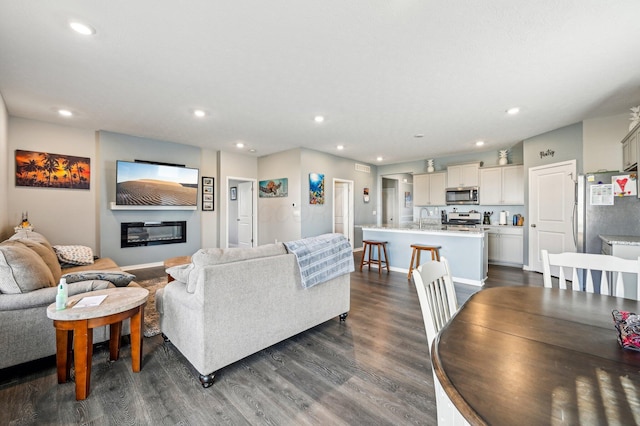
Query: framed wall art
x,y
47,170
316,188
233,193
274,188
207,193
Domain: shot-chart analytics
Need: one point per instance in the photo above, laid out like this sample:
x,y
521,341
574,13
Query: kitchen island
x,y
466,250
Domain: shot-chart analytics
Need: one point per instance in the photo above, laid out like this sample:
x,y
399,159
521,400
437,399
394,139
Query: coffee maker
x,y
486,219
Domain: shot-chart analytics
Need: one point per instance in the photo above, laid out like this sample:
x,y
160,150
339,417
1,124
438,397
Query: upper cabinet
x,y
502,185
429,189
462,175
630,149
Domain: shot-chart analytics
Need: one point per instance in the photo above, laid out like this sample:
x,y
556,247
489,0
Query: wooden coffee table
x,y
78,324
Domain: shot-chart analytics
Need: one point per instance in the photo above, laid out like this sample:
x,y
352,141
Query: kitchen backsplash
x,y
433,213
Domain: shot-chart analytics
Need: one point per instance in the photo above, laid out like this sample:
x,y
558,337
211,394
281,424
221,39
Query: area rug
x,y
151,316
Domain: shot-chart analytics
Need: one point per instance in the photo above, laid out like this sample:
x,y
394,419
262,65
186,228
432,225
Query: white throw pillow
x,y
74,255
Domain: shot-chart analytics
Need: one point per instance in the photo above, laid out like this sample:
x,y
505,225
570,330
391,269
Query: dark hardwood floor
x,y
373,369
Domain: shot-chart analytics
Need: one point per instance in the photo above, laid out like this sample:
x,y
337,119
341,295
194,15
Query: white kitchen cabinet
x,y
630,149
506,244
429,189
462,175
502,185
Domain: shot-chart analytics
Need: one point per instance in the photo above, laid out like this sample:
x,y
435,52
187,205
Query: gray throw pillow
x,y
119,279
22,270
44,251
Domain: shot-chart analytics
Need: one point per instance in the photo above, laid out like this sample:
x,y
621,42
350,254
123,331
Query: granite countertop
x,y
623,240
430,228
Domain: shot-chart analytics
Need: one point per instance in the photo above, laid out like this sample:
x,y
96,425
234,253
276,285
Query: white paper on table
x,y
85,302
601,195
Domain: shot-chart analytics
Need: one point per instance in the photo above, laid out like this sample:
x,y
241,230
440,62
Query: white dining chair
x,y
437,296
608,277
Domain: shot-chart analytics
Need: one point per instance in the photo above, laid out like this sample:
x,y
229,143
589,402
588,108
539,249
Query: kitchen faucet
x,y
420,218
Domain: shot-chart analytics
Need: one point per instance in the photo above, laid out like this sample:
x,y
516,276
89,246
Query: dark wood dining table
x,y
539,356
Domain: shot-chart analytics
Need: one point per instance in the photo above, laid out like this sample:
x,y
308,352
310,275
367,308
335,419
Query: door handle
x,y
533,225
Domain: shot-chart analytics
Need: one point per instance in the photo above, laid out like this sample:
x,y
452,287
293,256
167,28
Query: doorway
x,y
343,202
552,200
241,213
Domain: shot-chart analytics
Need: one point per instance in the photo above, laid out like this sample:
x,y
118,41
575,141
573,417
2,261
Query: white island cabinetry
x,y
429,189
502,185
466,251
506,244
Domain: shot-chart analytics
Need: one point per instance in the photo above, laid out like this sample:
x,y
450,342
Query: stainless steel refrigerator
x,y
590,221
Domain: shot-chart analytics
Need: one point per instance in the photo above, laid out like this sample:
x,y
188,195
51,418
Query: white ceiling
x,y
380,71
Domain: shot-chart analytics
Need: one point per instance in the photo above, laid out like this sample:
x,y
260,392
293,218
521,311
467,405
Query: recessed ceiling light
x,y
65,112
379,159
418,135
479,143
340,147
199,113
81,28
239,145
318,119
513,111
252,150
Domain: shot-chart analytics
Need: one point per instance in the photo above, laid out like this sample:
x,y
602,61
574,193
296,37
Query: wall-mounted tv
x,y
153,184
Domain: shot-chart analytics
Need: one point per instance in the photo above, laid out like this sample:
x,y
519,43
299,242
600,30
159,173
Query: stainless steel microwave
x,y
467,195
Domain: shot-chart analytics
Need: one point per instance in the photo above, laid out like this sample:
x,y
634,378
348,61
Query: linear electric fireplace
x,y
137,234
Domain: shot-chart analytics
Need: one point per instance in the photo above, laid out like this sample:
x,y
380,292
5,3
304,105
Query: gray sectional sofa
x,y
29,273
230,303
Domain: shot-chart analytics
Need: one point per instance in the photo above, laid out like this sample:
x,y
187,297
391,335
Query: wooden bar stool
x,y
417,248
379,261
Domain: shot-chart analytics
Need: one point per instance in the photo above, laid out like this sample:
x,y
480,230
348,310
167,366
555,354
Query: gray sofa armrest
x,y
177,291
46,296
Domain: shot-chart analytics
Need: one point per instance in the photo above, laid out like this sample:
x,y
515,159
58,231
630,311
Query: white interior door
x,y
388,205
552,199
343,209
245,214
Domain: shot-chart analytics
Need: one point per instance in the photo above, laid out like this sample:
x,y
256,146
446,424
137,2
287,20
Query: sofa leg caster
x,y
166,339
344,316
206,380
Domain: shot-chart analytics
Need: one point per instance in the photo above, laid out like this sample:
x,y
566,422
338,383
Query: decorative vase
x,y
430,168
503,157
635,117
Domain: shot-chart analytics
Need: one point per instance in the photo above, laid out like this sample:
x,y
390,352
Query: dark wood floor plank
x,y
372,369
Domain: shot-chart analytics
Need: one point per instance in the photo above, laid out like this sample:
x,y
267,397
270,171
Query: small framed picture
x,y
207,193
233,192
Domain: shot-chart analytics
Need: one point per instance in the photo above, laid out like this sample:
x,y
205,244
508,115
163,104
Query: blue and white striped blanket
x,y
322,258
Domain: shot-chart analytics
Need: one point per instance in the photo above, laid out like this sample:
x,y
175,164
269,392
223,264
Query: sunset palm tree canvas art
x,y
46,170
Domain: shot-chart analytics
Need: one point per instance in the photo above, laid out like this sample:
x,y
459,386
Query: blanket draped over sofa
x,y
230,303
322,258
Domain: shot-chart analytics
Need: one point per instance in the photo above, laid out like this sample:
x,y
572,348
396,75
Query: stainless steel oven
x,y
467,195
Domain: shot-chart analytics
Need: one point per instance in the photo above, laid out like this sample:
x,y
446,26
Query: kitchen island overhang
x,y
467,251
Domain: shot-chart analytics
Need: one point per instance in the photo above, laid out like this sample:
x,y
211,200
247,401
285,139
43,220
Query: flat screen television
x,y
152,184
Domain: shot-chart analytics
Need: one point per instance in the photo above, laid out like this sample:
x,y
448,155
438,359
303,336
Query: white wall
x,y
64,216
279,218
602,149
5,225
209,220
230,166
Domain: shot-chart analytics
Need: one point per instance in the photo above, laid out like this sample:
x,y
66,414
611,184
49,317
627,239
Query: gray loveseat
x,y
29,274
230,303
